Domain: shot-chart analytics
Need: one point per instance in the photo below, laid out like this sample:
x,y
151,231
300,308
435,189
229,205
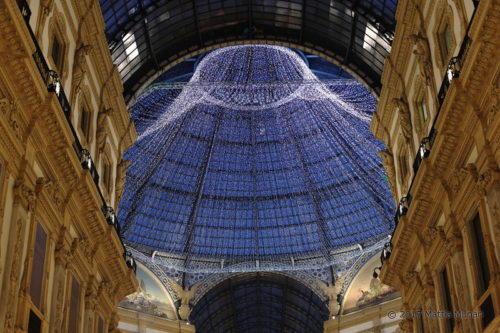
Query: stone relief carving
x,y
9,109
26,195
406,325
388,162
185,295
423,53
331,291
404,117
494,102
101,132
14,279
46,9
79,67
120,179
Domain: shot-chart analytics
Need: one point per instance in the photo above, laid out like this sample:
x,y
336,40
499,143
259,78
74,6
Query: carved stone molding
x,y
14,278
423,54
8,108
106,288
79,67
484,180
444,14
404,118
87,248
388,162
25,196
406,325
430,234
121,173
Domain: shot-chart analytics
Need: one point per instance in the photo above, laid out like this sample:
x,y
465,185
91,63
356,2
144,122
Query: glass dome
x,y
255,164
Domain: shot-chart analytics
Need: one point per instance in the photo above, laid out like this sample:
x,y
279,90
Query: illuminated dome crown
x,y
255,165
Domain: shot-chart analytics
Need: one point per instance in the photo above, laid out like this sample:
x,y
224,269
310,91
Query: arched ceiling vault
x,y
259,302
146,36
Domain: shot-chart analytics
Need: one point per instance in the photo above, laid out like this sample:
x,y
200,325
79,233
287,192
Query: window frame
x,y
476,249
59,61
446,298
78,310
421,121
403,166
107,171
86,133
56,31
445,18
38,311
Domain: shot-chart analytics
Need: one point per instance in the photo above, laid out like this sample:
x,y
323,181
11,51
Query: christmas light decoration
x,y
255,164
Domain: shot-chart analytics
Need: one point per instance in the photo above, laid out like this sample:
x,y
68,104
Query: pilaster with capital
x,y
91,300
62,255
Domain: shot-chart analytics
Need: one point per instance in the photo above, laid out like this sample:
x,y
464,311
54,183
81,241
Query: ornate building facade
x,y
97,230
62,262
438,115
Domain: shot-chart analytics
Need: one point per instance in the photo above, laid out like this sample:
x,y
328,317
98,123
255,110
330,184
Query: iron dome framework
x,y
260,302
147,35
255,165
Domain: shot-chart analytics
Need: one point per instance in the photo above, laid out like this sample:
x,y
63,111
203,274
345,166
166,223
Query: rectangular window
x,y
479,252
488,311
106,174
448,307
57,53
74,306
422,109
85,123
420,321
38,266
446,41
100,325
402,166
34,323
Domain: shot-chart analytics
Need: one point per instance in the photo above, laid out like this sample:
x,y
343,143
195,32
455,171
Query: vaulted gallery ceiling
x,y
253,158
255,164
145,36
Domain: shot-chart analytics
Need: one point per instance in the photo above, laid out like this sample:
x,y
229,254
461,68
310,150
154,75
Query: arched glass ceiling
x,y
255,165
147,35
259,302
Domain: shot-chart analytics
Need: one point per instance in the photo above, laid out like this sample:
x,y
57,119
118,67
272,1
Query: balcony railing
x,y
53,83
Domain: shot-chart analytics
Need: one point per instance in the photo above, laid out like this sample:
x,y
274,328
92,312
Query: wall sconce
x,y
85,159
425,147
375,274
386,252
404,203
54,83
109,214
453,70
130,261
